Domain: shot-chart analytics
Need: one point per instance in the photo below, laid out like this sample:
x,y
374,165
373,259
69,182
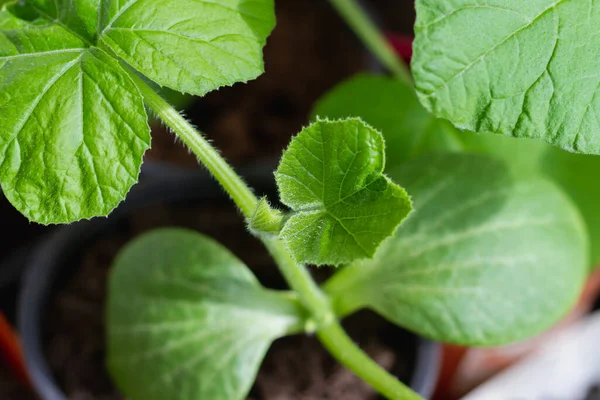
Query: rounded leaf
x,y
483,259
188,320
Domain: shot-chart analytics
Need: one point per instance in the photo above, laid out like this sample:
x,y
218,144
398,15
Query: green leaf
x,y
80,17
344,207
87,12
73,127
17,15
577,174
187,320
8,21
483,260
195,47
19,37
390,106
520,68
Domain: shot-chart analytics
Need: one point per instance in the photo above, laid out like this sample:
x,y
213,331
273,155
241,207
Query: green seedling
x,y
455,246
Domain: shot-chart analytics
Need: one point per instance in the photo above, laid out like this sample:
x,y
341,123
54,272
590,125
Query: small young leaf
x,y
344,207
390,106
73,126
483,259
520,68
187,320
193,47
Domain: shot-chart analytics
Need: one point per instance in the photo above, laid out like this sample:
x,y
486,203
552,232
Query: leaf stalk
x,y
372,37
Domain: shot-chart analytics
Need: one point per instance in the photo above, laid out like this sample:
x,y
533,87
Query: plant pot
x,y
57,259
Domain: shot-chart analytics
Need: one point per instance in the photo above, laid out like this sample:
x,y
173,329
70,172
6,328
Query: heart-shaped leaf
x,y
193,46
331,176
483,259
187,320
520,68
73,127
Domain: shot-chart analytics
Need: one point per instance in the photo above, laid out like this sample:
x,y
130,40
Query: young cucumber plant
x,y
487,256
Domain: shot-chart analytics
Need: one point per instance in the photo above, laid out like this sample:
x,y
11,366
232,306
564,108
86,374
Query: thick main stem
x,y
313,298
372,38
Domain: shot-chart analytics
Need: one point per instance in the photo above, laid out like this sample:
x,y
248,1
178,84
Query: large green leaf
x,y
73,127
483,259
331,176
390,106
520,68
187,320
193,46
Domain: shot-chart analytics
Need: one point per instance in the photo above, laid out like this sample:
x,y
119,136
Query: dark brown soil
x,y
295,368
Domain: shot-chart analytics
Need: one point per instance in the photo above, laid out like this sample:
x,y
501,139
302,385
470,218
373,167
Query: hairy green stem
x,y
312,297
241,194
372,38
